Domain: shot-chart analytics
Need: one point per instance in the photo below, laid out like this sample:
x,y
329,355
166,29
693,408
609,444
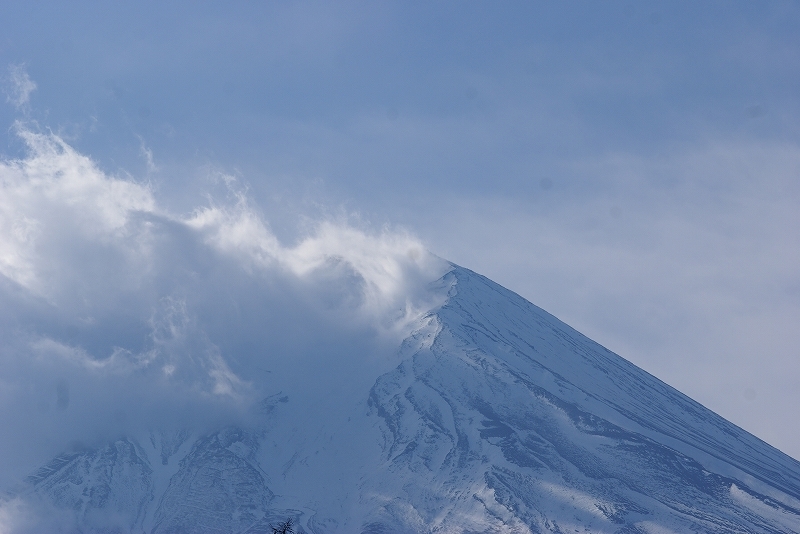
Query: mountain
x,y
492,416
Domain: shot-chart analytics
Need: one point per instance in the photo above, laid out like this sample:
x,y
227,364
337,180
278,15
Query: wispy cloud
x,y
147,154
19,86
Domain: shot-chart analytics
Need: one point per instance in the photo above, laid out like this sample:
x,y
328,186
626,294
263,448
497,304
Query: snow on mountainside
x,y
493,416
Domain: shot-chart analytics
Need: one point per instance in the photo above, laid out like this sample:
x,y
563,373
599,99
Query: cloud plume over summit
x,y
122,316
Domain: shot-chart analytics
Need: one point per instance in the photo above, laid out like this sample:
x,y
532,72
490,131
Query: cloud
x,y
56,195
147,154
119,316
19,86
13,516
30,516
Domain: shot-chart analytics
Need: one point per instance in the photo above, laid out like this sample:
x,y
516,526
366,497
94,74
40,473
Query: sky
x,y
633,170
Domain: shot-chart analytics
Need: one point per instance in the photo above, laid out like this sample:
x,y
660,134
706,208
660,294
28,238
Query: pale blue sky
x,y
632,169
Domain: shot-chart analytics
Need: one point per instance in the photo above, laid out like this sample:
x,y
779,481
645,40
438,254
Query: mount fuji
x,y
491,416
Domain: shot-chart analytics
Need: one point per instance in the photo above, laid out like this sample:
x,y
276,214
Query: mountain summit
x,y
492,416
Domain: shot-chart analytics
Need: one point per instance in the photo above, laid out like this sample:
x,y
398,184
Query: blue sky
x,y
633,170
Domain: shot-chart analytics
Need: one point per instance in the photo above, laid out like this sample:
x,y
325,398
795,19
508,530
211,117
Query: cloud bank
x,y
119,316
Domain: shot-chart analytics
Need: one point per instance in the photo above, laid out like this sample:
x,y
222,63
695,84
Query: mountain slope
x,y
493,416
563,432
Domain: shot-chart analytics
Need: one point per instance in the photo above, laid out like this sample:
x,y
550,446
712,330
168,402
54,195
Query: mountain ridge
x,y
690,405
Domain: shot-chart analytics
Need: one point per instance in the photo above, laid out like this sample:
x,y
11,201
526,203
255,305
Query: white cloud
x,y
384,263
19,86
53,195
12,515
147,154
119,315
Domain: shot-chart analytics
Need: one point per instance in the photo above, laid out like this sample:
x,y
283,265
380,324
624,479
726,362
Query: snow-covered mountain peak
x,y
491,416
